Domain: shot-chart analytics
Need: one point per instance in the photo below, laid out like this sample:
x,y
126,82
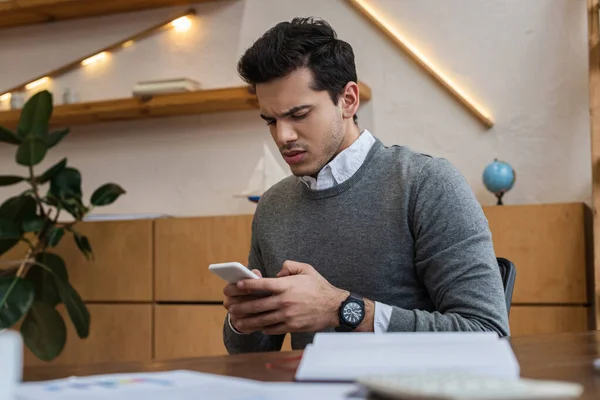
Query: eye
x,y
299,117
271,122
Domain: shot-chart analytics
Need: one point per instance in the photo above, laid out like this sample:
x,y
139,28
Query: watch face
x,y
352,312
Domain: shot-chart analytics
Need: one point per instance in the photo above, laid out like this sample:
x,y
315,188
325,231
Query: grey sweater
x,y
404,230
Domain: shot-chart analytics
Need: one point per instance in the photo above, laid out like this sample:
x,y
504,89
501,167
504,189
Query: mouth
x,y
293,157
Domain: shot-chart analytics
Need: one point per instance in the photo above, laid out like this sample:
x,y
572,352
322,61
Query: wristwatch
x,y
351,313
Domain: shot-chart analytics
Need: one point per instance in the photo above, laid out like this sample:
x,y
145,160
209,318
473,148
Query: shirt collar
x,y
347,162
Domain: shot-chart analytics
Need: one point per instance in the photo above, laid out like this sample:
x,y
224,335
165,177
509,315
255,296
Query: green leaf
x,y
7,244
33,225
106,194
52,171
9,229
7,136
18,208
84,245
44,285
35,116
44,331
18,301
55,137
7,180
77,310
32,151
54,264
67,183
54,236
48,273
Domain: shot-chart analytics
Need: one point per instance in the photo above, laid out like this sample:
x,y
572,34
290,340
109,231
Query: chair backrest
x,y
508,273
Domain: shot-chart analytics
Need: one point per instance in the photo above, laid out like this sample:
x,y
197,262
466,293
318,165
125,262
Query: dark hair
x,y
302,43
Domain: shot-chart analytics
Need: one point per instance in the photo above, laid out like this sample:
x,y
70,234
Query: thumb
x,y
257,273
294,268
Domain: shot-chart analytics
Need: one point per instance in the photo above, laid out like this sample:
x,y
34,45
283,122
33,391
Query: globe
x,y
499,177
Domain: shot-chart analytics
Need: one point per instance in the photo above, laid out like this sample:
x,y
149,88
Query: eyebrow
x,y
289,112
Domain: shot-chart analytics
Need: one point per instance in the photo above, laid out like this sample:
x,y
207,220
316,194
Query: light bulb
x,y
182,24
94,58
37,83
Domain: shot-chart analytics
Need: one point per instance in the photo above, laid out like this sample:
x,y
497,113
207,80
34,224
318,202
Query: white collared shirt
x,y
341,168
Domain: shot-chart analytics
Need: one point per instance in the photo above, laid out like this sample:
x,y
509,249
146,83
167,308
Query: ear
x,y
349,100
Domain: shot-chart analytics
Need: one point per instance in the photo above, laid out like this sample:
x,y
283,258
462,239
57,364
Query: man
x,y
363,237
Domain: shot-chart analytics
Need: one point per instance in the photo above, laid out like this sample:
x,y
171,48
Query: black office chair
x,y
508,273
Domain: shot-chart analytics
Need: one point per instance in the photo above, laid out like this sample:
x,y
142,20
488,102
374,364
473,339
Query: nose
x,y
285,134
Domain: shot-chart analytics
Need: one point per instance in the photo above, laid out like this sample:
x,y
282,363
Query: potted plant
x,y
32,287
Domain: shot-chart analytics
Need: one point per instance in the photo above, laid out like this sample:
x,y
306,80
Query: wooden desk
x,y
564,357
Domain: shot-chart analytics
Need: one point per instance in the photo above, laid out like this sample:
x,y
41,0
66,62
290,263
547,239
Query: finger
x,y
232,290
294,268
257,272
260,321
229,301
278,329
257,306
272,285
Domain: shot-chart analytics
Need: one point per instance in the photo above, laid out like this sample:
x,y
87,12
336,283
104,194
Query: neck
x,y
351,134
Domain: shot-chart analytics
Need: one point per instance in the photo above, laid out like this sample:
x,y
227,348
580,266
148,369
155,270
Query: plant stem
x,y
35,190
29,242
8,292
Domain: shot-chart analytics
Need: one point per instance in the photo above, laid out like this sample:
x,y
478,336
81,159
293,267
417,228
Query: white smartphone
x,y
232,272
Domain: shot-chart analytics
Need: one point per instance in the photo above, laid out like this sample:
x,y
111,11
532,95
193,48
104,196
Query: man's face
x,y
305,124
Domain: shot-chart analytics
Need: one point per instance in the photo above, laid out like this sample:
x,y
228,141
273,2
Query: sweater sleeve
x,y
454,258
256,341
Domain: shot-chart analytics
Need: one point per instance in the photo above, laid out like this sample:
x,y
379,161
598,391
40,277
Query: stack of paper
x,y
345,356
179,385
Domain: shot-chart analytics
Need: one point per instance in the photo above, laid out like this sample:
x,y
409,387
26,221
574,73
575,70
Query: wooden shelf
x,y
27,12
198,102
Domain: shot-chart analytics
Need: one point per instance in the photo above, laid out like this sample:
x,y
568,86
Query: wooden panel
x,y
184,331
594,93
197,102
118,333
186,246
26,12
547,244
122,267
538,320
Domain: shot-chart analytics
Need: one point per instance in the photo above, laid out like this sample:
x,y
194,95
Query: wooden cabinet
x,y
547,244
118,332
122,266
539,320
186,246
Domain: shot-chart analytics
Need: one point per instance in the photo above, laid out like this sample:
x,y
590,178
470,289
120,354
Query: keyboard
x,y
455,386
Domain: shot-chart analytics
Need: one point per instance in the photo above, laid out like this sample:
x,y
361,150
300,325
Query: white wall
x,y
524,61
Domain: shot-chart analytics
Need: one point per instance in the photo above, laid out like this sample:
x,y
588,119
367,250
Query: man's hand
x,y
302,301
233,295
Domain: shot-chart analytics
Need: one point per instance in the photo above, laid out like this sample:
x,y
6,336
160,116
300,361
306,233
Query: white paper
x,y
11,363
178,385
341,363
361,339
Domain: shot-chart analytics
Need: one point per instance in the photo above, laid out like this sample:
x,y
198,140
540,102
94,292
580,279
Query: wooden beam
x,y
392,34
198,102
26,12
594,77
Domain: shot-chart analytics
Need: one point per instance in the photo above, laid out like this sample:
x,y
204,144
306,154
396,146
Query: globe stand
x,y
499,197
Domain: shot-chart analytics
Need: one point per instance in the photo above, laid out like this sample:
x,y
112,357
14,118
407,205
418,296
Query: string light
x,y
94,58
37,83
182,24
5,96
435,72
